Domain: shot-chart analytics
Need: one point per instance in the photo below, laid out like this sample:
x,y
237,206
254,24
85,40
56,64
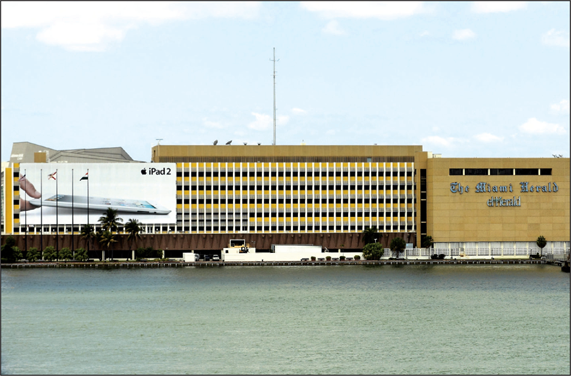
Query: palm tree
x,y
110,222
87,234
133,227
106,239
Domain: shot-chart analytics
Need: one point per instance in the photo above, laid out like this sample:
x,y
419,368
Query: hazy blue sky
x,y
462,79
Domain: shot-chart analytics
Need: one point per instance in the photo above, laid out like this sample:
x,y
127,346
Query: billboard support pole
x,y
89,238
41,213
72,213
57,219
26,213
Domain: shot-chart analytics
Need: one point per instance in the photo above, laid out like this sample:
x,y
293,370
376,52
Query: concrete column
x,y
132,255
103,256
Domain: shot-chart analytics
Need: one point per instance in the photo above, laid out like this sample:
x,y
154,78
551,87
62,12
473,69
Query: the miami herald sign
x,y
501,201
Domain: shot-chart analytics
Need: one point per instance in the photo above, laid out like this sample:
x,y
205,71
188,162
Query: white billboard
x,y
53,193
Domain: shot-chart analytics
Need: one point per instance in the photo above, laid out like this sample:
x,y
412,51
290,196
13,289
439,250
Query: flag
x,y
52,176
85,177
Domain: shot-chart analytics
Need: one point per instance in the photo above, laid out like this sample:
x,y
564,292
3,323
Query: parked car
x,y
206,258
215,258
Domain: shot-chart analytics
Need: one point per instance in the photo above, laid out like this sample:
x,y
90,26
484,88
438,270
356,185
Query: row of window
x,y
322,215
500,171
296,187
367,200
288,173
381,228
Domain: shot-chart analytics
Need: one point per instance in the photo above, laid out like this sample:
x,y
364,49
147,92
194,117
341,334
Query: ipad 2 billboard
x,y
53,193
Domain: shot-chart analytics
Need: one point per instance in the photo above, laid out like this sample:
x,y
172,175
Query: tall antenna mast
x,y
274,60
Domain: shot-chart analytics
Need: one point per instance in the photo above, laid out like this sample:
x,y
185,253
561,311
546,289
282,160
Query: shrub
x,y
328,258
342,258
33,254
50,253
434,257
65,254
373,251
312,258
441,256
357,257
81,254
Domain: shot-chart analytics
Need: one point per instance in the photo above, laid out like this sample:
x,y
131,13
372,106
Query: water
x,y
287,320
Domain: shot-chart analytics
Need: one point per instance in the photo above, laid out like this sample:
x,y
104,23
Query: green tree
x,y
65,254
148,252
87,234
33,254
50,253
110,222
373,251
106,239
426,241
10,252
398,245
134,229
541,243
369,235
81,254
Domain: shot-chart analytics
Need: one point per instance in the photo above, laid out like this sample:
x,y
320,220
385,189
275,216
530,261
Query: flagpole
x,y
42,211
57,220
88,239
26,212
72,223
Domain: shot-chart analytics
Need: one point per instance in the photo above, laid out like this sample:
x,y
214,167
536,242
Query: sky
x,y
463,79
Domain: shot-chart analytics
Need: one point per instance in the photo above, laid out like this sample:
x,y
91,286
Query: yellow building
x,y
328,195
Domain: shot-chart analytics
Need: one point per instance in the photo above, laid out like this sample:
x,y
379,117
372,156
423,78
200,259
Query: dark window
x,y
456,171
476,171
526,171
179,173
501,171
545,171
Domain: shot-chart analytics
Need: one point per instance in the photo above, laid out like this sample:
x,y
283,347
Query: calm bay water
x,y
288,320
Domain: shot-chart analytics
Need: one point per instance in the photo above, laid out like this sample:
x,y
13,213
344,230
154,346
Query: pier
x,y
207,264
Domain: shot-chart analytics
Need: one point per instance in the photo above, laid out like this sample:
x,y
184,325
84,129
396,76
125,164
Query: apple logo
x,y
144,171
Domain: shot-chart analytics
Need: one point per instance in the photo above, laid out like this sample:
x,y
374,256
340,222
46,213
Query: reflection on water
x,y
291,320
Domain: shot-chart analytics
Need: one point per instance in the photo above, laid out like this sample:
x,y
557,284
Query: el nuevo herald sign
x,y
525,187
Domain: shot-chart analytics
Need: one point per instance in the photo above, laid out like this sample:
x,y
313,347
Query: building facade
x,y
328,195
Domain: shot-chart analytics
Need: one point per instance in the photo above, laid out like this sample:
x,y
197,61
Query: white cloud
x,y
556,38
385,10
497,6
562,106
424,33
534,126
298,111
91,26
488,137
264,122
435,129
332,27
463,34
